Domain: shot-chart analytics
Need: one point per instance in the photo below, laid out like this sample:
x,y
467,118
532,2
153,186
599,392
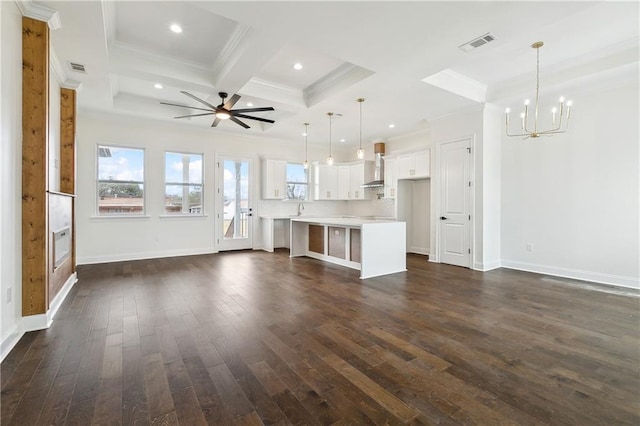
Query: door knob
x,y
443,218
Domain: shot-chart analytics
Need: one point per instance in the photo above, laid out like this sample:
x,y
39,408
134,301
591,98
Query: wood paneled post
x,y
35,135
68,156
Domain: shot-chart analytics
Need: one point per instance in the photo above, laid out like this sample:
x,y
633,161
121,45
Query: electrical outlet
x,y
9,295
529,247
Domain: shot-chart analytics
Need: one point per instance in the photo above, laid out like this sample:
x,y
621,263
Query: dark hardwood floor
x,y
258,338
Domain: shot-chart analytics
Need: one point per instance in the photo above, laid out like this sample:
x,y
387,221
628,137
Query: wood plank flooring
x,y
253,338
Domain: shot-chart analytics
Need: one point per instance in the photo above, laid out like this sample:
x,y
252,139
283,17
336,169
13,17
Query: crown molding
x,y
339,79
231,51
109,22
60,73
40,13
265,89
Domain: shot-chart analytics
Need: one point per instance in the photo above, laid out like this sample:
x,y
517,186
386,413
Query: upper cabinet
x,y
414,165
342,181
274,179
325,182
390,177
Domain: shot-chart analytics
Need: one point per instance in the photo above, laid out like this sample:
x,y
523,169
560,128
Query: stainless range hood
x,y
378,174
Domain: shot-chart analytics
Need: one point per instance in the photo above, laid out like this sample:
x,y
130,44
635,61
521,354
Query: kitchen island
x,y
375,247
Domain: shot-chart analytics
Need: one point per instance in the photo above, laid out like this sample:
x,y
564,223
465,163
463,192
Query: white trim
x,y
40,13
119,216
419,250
35,322
122,257
61,296
182,216
346,75
577,274
486,266
10,341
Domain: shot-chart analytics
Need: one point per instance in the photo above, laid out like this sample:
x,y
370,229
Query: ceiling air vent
x,y
77,67
477,42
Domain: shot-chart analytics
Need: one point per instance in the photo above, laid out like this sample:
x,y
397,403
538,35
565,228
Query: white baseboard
x,y
487,266
120,257
12,338
36,322
419,250
577,274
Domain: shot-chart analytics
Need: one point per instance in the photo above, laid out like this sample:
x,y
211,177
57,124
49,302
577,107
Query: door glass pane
x,y
236,199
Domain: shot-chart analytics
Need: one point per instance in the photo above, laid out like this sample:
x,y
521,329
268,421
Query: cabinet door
x,y
422,163
274,179
357,179
406,166
325,182
390,177
344,182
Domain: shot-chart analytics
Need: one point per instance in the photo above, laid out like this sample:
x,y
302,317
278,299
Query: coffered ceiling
x,y
382,51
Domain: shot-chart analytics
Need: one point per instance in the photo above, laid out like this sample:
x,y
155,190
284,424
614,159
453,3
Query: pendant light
x,y
330,157
305,164
360,151
556,125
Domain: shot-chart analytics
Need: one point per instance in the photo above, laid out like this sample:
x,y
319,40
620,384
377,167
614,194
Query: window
x,y
297,182
120,181
183,183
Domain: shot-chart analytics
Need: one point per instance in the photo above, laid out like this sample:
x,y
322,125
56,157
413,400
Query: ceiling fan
x,y
223,111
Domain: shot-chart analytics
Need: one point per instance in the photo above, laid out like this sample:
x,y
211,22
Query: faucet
x,y
300,208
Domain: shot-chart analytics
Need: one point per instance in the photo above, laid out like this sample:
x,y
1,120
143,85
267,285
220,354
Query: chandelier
x,y
558,124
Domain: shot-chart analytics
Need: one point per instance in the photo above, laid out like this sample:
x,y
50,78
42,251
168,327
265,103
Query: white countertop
x,y
344,221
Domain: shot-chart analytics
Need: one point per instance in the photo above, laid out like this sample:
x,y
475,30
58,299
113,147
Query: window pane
x,y
120,198
183,199
297,191
296,173
183,168
120,164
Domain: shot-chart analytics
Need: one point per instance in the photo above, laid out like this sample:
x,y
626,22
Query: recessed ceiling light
x,y
158,86
391,126
176,28
249,104
297,66
343,140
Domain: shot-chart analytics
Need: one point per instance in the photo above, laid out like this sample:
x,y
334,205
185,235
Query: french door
x,y
454,217
234,207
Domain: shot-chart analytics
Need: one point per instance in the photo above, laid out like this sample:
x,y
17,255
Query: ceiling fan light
x,y
223,115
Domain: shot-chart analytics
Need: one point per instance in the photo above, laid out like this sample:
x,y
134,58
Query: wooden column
x,y
35,135
68,157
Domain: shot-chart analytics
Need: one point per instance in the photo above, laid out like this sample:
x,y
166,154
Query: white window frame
x,y
183,184
143,182
306,183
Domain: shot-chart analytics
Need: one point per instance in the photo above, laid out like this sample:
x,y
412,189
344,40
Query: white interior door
x,y
454,217
234,212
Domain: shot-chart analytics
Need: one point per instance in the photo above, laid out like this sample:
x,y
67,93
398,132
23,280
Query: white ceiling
x,y
377,50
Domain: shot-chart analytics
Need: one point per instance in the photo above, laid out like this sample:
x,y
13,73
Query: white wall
x,y
54,132
10,172
110,239
574,196
414,208
491,188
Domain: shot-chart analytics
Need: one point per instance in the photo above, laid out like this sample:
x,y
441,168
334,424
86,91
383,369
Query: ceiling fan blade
x,y
215,122
265,120
242,110
231,102
196,115
198,99
184,106
235,120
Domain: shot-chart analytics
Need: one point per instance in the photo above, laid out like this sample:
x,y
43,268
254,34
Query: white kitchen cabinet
x,y
390,177
344,181
274,179
414,165
358,177
325,182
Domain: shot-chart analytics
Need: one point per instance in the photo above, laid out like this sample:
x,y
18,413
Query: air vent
x,y
477,42
104,152
77,67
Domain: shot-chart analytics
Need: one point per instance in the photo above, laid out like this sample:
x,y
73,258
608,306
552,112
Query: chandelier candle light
x,y
305,164
360,151
330,157
556,119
